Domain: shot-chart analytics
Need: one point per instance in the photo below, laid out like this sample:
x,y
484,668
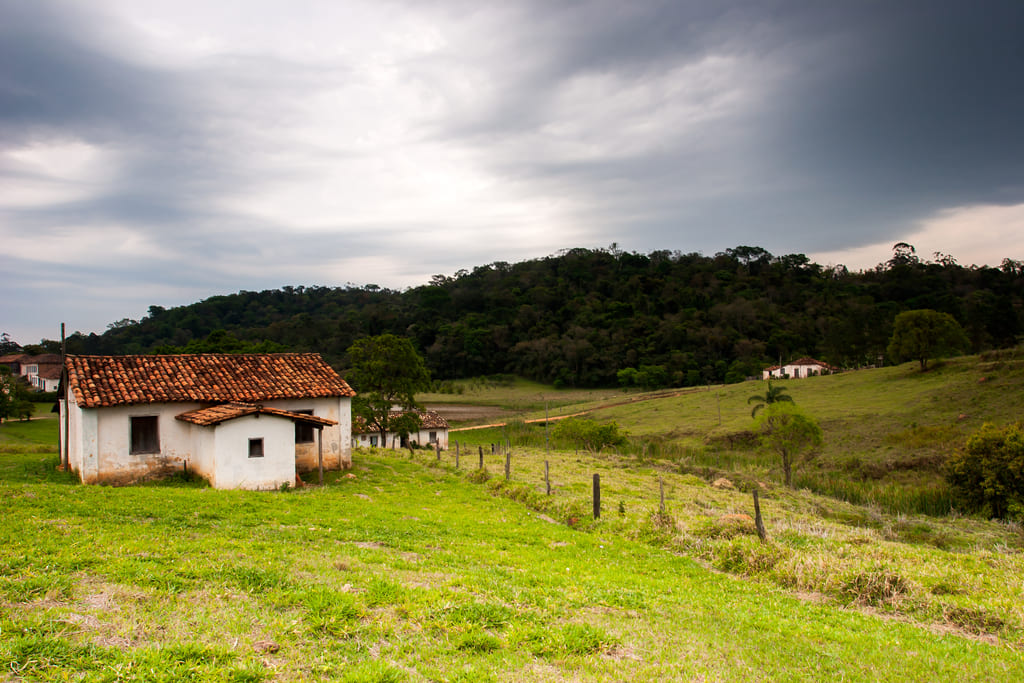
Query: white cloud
x,y
41,174
973,235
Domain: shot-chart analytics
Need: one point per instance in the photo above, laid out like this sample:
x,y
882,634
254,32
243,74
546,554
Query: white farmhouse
x,y
804,367
433,431
247,421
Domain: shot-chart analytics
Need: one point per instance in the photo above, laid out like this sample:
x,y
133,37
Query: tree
x,y
790,433
988,475
15,398
588,434
8,345
8,396
773,395
386,372
925,334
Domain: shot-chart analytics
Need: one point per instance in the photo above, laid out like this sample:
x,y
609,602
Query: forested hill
x,y
579,317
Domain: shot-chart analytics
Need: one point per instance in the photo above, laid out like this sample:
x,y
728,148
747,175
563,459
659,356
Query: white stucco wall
x,y
100,443
116,463
234,468
421,437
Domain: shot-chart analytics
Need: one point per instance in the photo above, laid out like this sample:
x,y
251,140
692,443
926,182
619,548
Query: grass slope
x,y
405,572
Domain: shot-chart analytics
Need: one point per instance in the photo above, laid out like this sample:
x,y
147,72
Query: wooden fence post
x,y
437,447
547,478
661,485
508,465
481,457
757,519
597,496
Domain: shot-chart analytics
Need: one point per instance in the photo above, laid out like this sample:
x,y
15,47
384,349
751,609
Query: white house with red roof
x,y
803,367
249,421
433,431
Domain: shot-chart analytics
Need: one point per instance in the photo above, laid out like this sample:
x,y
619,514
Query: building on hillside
x,y
804,367
13,362
433,431
32,368
247,421
47,379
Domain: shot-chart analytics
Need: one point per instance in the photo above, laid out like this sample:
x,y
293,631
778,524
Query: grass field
x,y
405,572
414,570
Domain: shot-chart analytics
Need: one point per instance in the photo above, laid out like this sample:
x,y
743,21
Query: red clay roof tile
x,y
99,381
214,415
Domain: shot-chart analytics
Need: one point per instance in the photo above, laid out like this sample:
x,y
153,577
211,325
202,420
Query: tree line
x,y
599,317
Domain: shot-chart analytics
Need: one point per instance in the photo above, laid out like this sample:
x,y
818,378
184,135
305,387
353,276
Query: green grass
x,y
888,432
414,570
410,572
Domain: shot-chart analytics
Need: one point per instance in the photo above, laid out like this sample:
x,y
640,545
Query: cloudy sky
x,y
160,152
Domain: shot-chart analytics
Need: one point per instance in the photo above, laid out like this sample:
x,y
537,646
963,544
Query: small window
x,y
373,441
255,448
145,438
432,437
303,431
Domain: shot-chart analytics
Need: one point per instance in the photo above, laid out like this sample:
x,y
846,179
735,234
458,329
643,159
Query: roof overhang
x,y
214,415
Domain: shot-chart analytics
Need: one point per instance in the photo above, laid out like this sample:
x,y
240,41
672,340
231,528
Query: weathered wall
x,y
236,470
115,463
337,439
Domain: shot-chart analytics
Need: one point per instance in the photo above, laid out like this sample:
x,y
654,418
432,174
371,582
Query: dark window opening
x,y
303,431
432,437
145,438
255,448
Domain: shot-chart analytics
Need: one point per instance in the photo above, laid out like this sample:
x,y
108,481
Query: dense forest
x,y
597,317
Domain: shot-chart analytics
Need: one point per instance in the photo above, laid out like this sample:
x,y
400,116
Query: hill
x,y
579,318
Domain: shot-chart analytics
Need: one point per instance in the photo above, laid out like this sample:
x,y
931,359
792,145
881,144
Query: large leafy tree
x,y
988,475
772,395
925,334
790,433
386,372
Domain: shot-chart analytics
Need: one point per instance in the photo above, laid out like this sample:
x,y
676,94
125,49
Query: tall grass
x,y
935,500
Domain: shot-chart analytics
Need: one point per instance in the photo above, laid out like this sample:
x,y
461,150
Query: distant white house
x,y
247,421
433,431
41,372
804,367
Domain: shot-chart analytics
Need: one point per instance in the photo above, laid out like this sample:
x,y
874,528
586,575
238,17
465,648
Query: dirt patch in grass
x,y
470,413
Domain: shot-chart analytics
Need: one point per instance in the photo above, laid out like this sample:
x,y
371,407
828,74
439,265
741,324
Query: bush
x,y
988,475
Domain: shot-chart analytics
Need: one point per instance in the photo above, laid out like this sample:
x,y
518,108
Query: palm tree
x,y
773,395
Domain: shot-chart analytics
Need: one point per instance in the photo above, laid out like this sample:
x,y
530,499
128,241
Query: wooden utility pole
x,y
66,417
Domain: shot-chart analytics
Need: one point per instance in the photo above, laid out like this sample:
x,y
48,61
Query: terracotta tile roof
x,y
429,419
14,358
207,378
806,360
50,371
229,411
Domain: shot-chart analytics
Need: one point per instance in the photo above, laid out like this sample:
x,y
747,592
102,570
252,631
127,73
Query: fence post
x,y
481,457
437,447
757,519
661,485
547,478
508,465
597,496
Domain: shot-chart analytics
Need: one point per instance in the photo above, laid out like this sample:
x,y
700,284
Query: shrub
x,y
988,475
